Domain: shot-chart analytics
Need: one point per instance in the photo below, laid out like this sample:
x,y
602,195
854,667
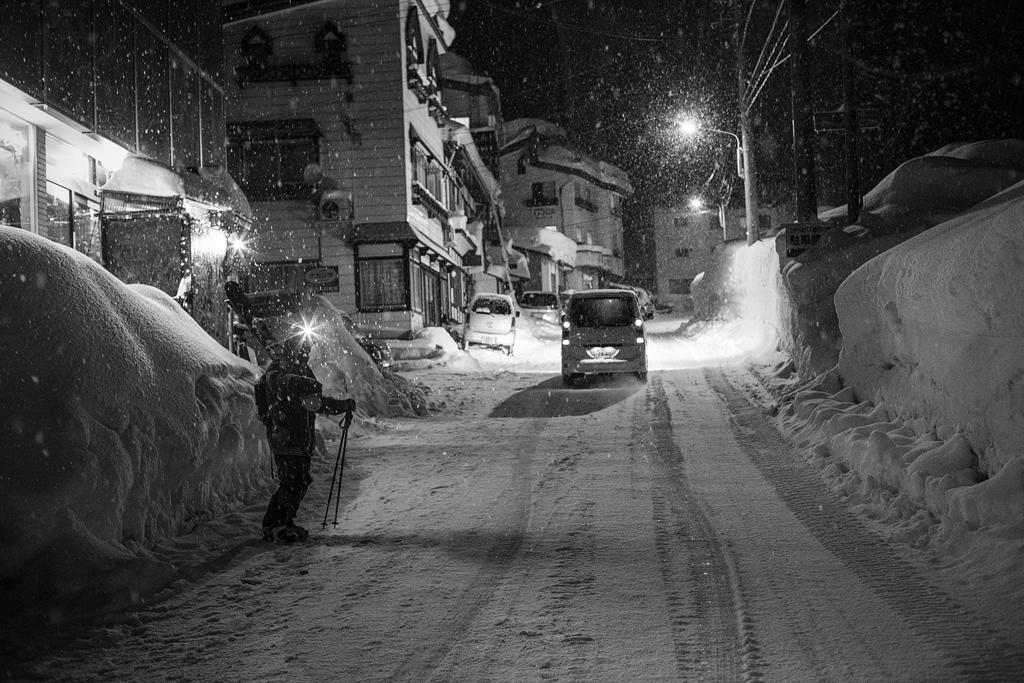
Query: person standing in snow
x,y
293,397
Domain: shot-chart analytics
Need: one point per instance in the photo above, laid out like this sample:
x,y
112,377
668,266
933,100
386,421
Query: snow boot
x,y
297,531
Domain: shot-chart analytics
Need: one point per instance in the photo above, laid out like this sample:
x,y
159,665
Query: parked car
x,y
542,306
603,332
491,321
645,298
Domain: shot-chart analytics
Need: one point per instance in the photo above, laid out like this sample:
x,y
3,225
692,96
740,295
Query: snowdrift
x,y
121,420
346,370
932,328
908,471
744,286
920,194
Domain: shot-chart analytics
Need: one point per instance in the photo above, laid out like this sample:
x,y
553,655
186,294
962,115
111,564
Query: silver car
x,y
491,321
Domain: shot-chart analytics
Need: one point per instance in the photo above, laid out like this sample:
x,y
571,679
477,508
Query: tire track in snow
x,y
977,652
711,635
419,665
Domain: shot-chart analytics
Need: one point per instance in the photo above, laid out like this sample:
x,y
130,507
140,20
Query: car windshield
x,y
601,312
540,299
492,306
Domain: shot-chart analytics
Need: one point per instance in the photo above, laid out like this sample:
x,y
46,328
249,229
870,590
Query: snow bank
x,y
903,466
744,287
120,421
347,371
933,327
918,195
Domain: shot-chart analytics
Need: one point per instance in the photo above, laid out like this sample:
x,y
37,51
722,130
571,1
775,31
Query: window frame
x,y
292,135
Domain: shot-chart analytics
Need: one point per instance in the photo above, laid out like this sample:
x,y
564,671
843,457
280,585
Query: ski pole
x,y
334,476
341,472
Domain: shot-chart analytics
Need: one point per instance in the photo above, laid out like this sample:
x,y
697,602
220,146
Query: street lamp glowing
x,y
696,204
688,127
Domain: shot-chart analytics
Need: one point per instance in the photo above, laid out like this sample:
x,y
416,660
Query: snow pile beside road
x,y
932,328
744,297
347,371
121,421
921,193
903,465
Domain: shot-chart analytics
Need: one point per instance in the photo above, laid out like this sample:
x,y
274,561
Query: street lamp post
x,y
744,169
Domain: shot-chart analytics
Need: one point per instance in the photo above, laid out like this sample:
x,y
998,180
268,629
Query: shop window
x,y
268,159
73,220
17,171
382,284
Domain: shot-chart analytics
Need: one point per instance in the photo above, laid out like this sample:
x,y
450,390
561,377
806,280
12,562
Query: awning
x,y
143,185
404,232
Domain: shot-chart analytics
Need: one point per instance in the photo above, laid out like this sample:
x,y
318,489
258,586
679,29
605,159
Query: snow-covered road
x,y
611,531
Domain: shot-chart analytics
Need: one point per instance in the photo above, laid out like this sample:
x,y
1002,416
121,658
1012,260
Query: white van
x,y
603,332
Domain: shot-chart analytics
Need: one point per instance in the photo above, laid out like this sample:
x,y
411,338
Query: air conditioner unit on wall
x,y
335,205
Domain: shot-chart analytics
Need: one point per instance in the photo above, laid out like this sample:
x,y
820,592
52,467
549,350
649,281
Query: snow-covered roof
x,y
554,151
462,135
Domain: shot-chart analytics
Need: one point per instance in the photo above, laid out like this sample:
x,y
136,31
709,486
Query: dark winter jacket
x,y
291,427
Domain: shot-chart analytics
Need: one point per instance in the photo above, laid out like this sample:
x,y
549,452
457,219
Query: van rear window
x,y
538,299
594,312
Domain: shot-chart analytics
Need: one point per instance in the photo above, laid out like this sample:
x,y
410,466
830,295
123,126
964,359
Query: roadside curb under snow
x,y
903,465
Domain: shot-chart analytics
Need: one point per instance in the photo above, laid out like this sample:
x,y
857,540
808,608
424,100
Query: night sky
x,y
616,73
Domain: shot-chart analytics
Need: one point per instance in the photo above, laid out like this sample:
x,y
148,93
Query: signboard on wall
x,y
802,236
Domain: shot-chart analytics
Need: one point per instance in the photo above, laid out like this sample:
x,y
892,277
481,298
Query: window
x,y
682,252
615,205
16,172
382,285
268,158
615,311
764,222
679,286
584,198
542,194
521,166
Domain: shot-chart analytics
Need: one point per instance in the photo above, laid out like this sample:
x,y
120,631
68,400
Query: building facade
x,y
85,87
563,206
338,133
474,101
687,240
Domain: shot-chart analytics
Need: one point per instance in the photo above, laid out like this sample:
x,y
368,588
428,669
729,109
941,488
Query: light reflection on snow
x,y
672,345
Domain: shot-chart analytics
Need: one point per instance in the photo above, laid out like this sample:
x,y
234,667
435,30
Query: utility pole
x,y
852,125
744,142
803,122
